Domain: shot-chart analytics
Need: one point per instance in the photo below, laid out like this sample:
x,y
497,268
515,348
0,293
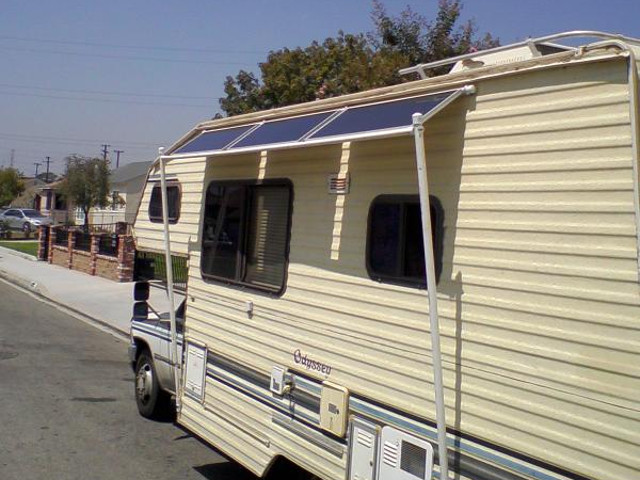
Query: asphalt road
x,y
67,409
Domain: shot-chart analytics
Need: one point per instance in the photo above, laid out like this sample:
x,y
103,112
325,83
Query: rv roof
x,y
535,46
353,116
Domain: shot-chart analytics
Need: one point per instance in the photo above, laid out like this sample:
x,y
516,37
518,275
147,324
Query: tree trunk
x,y
86,219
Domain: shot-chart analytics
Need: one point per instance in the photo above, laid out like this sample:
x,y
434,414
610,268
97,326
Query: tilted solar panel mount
x,y
387,117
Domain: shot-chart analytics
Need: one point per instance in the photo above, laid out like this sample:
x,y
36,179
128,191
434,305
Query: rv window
x,y
394,245
173,201
245,237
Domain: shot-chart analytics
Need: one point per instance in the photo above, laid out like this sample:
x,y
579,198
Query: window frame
x,y
170,184
244,237
437,220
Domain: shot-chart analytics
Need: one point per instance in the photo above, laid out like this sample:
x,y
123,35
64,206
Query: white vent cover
x,y
338,183
363,443
404,457
195,371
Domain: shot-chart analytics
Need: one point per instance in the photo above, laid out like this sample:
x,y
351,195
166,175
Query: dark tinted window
x,y
395,253
173,201
246,233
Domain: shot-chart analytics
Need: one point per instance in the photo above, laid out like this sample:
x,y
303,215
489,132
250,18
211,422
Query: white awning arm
x,y
427,239
175,364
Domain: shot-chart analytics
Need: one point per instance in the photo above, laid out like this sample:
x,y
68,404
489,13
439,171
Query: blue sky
x,y
138,74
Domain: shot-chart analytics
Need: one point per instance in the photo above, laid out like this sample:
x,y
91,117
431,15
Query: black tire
x,y
151,400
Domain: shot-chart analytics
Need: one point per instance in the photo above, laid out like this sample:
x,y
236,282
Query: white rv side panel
x,y
149,236
538,297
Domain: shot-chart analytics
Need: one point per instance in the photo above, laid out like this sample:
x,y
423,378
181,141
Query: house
x,y
52,203
127,184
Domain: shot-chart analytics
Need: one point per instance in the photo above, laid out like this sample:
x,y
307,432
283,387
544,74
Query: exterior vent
x,y
365,439
404,456
390,454
363,454
413,459
338,184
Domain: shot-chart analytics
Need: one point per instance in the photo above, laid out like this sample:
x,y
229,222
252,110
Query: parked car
x,y
24,219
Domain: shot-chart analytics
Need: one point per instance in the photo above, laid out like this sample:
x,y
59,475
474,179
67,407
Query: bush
x,y
5,231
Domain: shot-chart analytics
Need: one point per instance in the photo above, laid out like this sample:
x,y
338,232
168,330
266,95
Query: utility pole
x,y
118,152
48,161
105,150
37,164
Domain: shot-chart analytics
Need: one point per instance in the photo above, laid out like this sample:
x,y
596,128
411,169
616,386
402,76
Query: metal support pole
x,y
427,240
175,364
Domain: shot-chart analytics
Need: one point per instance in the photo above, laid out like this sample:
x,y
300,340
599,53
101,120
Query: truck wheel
x,y
152,402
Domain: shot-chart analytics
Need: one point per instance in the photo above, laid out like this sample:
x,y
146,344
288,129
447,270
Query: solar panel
x,y
280,131
380,116
213,140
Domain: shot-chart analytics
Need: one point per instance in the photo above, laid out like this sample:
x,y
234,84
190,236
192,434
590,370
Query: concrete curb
x,y
33,289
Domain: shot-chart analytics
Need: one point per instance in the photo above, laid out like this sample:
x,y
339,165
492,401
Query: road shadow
x,y
225,471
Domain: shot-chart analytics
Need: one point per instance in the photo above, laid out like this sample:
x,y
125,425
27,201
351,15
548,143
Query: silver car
x,y
24,219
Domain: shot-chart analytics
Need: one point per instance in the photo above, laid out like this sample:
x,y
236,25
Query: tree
x,y
47,178
86,183
351,63
10,185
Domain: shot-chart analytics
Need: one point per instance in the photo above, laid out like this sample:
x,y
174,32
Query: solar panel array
x,y
349,121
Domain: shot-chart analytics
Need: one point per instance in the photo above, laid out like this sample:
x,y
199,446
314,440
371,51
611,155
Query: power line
x,y
97,92
102,100
36,138
105,151
121,57
48,161
137,47
118,152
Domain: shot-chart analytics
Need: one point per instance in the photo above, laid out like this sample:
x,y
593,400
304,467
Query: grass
x,y
28,247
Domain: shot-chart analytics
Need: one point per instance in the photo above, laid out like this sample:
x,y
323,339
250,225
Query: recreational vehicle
x,y
434,279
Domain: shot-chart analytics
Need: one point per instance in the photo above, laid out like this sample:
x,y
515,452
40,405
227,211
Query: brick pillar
x,y
71,246
126,258
42,242
53,232
95,242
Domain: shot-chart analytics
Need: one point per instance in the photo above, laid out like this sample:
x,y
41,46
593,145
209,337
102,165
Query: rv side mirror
x,y
141,291
140,310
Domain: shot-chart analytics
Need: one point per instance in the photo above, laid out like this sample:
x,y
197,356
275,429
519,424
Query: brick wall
x,y
107,267
59,256
82,261
119,268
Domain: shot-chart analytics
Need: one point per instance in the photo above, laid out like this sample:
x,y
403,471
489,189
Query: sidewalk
x,y
94,298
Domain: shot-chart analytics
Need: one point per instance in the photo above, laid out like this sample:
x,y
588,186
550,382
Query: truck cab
x,y
150,350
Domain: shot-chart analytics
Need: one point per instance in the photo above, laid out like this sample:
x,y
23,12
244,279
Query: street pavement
x,y
88,297
68,408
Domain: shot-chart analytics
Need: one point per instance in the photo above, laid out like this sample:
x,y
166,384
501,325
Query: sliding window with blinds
x,y
268,236
246,233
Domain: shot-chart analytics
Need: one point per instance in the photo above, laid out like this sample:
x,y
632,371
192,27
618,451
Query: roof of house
x,y
129,172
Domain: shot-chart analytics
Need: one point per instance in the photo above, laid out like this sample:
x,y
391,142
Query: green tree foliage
x,y
351,63
10,185
86,183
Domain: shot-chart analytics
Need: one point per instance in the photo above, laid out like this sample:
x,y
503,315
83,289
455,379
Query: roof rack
x,y
422,68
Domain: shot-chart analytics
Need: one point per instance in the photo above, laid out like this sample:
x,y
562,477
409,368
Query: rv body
x,y
303,340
